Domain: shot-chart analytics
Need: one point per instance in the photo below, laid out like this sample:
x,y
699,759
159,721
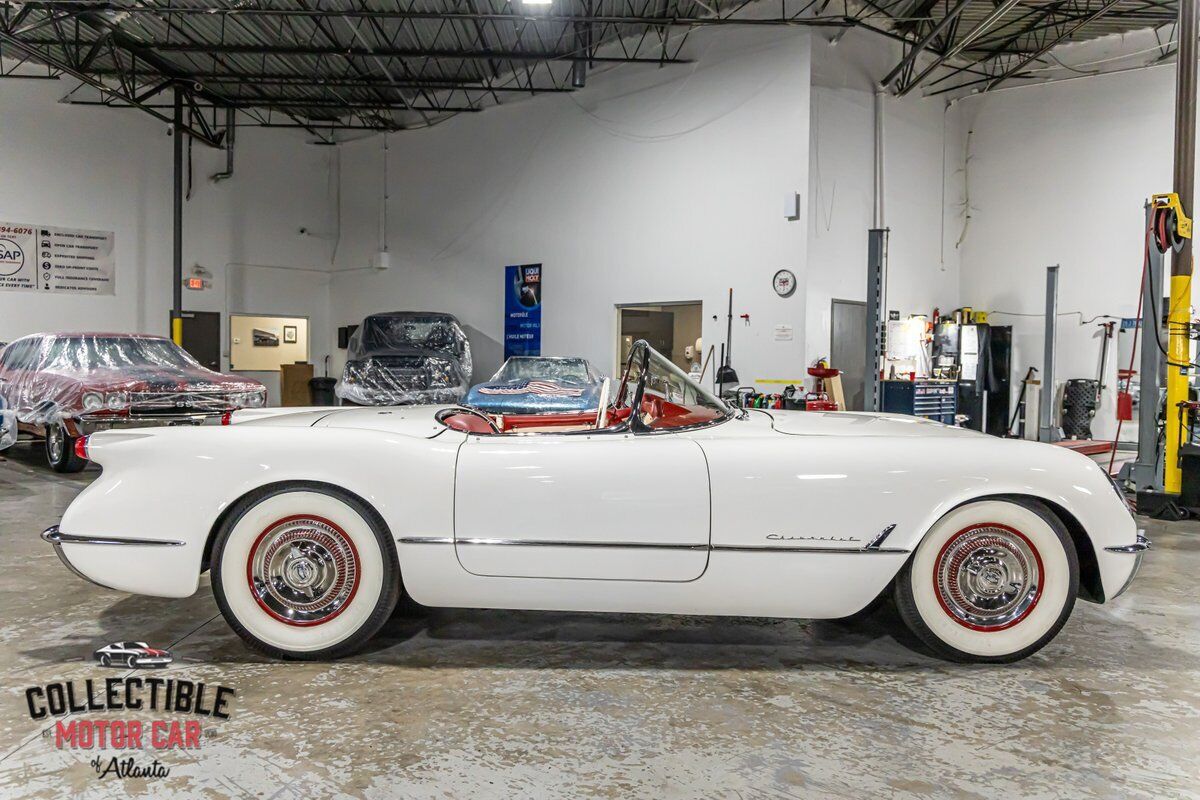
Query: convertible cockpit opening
x,y
664,397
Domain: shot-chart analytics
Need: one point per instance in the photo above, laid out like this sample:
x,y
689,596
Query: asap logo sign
x,y
12,257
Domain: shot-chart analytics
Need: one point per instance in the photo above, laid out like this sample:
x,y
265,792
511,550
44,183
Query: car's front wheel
x,y
992,581
304,571
60,449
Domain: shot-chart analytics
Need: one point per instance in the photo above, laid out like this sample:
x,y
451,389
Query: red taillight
x,y
227,418
81,447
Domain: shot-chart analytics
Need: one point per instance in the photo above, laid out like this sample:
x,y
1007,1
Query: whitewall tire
x,y
304,571
992,581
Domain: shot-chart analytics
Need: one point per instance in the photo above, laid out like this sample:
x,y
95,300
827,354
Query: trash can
x,y
321,390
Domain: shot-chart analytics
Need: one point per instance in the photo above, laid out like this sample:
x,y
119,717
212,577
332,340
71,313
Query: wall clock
x,y
784,283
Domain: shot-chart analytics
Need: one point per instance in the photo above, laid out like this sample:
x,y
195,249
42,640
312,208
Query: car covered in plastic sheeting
x,y
67,385
403,358
538,384
8,426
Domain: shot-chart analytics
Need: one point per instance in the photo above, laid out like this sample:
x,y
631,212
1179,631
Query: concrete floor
x,y
496,704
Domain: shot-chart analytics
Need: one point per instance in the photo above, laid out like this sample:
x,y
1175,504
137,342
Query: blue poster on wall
x,y
523,310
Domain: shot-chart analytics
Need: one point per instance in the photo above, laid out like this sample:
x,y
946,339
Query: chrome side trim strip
x,y
56,537
554,543
1140,546
843,550
646,545
875,543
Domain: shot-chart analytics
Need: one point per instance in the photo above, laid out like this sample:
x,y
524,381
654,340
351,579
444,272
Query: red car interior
x,y
662,415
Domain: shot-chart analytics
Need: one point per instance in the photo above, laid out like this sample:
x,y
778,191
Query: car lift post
x,y
1047,430
177,240
1144,472
876,270
1179,318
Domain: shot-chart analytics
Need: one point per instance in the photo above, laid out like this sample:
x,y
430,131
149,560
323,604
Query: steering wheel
x,y
602,412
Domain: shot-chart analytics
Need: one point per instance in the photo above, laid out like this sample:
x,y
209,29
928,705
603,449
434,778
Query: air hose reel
x,y
1170,226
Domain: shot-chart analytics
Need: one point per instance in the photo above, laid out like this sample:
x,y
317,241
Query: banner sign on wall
x,y
523,310
40,258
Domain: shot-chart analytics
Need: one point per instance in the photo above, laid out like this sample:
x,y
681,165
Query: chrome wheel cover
x,y
56,441
988,577
303,570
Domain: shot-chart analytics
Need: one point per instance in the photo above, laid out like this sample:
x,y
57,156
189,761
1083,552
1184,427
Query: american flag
x,y
543,388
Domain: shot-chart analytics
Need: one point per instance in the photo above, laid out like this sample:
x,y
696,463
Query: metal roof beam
x,y
104,89
320,81
1065,34
982,27
295,103
378,14
928,38
399,53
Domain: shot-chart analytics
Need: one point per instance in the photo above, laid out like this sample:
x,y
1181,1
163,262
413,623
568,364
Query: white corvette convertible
x,y
313,522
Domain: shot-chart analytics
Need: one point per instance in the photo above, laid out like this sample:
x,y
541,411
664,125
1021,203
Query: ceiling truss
x,y
333,65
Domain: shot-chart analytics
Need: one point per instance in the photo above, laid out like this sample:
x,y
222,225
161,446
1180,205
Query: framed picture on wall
x,y
265,338
289,334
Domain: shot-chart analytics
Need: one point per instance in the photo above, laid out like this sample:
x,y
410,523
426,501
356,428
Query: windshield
x,y
664,394
523,368
86,353
390,332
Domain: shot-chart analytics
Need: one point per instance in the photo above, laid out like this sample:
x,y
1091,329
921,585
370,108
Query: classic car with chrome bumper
x,y
664,501
64,386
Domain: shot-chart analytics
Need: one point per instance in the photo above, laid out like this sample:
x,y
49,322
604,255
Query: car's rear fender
x,y
174,484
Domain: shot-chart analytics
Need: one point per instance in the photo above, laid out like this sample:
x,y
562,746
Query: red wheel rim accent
x,y
274,614
1038,590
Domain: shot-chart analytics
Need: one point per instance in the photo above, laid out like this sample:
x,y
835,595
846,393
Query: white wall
x,y
90,167
1058,175
652,185
923,187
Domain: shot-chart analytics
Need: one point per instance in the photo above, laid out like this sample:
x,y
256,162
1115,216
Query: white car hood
x,y
853,423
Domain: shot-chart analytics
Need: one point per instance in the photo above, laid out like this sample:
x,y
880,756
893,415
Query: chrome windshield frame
x,y
635,422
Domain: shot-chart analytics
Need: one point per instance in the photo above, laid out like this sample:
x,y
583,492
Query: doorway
x,y
848,348
672,329
202,337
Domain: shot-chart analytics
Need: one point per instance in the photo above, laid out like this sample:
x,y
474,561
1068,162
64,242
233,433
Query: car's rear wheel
x,y
305,571
992,581
60,449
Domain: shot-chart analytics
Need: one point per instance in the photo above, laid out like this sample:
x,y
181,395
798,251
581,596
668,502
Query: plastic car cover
x,y
46,378
538,385
406,358
8,427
